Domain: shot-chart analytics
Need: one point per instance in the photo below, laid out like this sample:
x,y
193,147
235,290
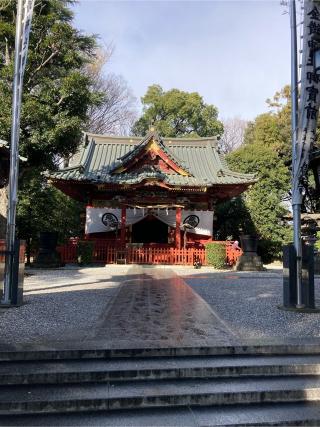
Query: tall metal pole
x,y
296,208
14,157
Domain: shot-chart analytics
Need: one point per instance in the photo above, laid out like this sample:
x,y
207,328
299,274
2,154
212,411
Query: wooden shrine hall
x,y
149,193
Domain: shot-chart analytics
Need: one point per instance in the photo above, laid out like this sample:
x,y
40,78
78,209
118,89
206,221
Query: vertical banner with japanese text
x,y
309,98
26,26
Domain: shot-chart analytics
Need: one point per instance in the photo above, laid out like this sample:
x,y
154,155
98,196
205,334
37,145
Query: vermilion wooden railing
x,y
232,254
68,252
3,248
105,253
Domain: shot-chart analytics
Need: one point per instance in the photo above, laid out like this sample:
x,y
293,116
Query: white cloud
x,y
235,54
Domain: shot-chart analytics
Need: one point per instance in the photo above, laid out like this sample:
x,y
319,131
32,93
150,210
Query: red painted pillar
x,y
178,223
123,225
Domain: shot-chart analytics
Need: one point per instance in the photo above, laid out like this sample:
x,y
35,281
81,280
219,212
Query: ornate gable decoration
x,y
150,155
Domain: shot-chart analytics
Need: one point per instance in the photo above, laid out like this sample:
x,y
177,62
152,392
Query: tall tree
x,y
266,151
57,93
117,111
233,134
56,98
177,114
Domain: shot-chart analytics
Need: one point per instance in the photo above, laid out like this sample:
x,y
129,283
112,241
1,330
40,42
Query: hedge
x,y
85,252
216,255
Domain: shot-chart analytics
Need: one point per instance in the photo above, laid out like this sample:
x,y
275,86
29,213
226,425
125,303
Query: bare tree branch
x,y
52,55
4,4
117,110
232,138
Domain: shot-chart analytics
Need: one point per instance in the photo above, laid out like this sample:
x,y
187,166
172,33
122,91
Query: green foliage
x,y
57,92
85,252
44,208
233,217
216,255
57,95
317,244
265,152
176,114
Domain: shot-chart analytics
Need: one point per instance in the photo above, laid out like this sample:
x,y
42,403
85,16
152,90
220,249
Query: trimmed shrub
x,y
317,244
216,255
85,252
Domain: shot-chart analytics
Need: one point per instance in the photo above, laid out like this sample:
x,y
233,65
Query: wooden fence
x,y
21,253
232,254
107,254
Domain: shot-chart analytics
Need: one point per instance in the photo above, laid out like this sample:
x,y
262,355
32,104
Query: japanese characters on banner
x,y
309,97
101,220
28,6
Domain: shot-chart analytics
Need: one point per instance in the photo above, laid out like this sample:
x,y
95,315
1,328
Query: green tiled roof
x,y
100,155
138,148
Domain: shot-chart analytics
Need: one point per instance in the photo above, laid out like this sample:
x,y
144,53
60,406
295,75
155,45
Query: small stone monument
x,y
48,257
309,228
249,260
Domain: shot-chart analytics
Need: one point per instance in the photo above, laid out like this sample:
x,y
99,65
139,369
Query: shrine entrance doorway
x,y
150,230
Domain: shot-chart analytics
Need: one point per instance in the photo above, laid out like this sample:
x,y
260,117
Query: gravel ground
x,y
247,303
71,304
61,304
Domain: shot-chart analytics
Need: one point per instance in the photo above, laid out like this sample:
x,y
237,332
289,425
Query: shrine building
x,y
149,192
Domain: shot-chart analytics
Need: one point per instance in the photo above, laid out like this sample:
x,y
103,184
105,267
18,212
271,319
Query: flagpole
x,y
23,23
296,208
14,159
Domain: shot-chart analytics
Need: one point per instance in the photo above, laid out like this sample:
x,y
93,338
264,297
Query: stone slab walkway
x,y
111,307
158,309
140,306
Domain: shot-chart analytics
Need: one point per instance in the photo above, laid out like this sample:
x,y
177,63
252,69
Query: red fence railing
x,y
131,255
68,252
107,254
232,254
21,253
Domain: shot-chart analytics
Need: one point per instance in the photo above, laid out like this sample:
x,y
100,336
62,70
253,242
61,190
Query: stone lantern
x,y
249,260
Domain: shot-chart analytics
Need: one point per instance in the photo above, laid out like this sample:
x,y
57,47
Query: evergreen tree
x,y
57,95
267,152
177,114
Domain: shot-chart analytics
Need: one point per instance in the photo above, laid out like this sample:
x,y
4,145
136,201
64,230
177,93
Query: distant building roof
x,y
109,159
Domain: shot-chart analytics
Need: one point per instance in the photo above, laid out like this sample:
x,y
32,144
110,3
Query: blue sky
x,y
234,53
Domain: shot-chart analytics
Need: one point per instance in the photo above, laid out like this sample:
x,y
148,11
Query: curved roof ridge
x,y
200,159
138,148
226,169
119,138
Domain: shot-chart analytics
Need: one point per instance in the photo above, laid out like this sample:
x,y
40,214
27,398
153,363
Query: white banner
x,y
309,98
28,6
101,220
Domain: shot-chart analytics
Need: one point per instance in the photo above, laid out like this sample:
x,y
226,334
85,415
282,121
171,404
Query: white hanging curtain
x,y
101,220
202,221
166,216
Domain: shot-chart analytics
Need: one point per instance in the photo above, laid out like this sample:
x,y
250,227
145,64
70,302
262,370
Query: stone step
x,y
262,415
99,370
275,414
95,350
148,394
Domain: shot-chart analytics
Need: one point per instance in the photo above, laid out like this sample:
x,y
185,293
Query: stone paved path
x,y
150,306
111,307
157,308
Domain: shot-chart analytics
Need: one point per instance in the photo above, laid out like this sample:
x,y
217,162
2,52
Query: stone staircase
x,y
239,385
